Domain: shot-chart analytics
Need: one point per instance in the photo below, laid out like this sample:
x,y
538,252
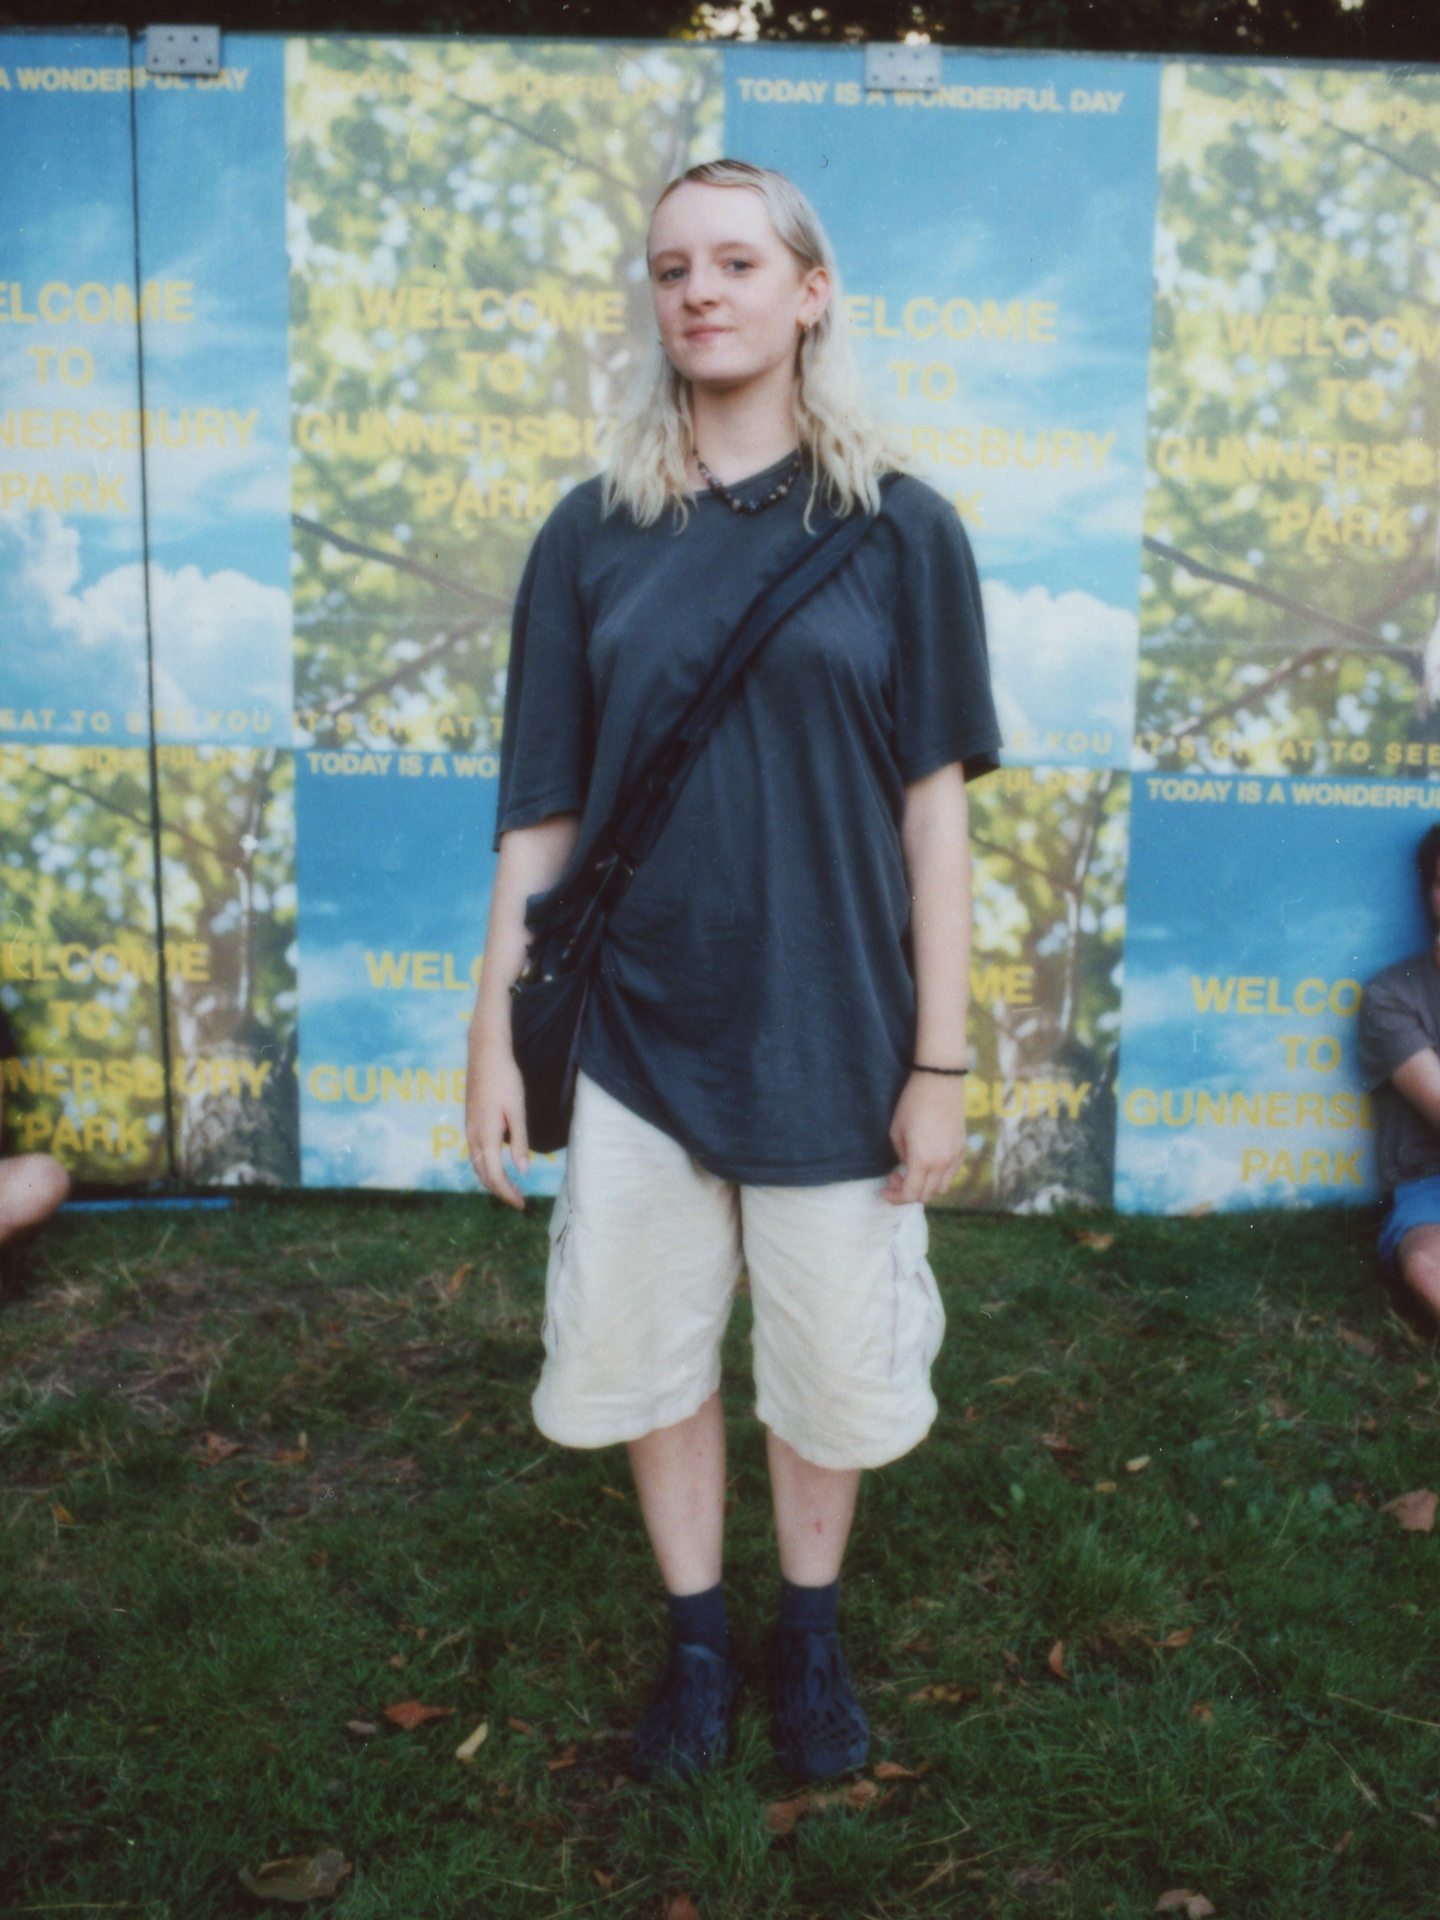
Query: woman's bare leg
x,y
680,1480
814,1507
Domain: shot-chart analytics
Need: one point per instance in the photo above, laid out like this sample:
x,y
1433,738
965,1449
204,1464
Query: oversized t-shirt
x,y
754,997
1400,1017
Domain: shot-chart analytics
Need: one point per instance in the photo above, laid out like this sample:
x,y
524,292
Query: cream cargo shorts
x,y
646,1250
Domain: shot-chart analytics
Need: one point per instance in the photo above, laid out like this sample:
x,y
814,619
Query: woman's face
x,y
731,299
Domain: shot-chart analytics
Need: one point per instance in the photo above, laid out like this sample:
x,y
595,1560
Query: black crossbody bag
x,y
568,924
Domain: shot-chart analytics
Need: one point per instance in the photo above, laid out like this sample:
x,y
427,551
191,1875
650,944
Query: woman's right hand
x,y
531,860
495,1112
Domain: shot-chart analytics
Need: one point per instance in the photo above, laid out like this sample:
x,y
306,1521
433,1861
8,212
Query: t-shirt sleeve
x,y
944,710
1392,1028
547,744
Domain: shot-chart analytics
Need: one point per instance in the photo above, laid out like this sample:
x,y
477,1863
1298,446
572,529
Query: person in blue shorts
x,y
1400,1062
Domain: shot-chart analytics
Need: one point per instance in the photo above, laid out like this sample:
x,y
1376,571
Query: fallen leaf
x,y
468,1749
409,1714
613,1492
892,1770
945,1694
781,1815
362,1729
305,1876
1011,1659
1059,1443
1087,1237
606,1880
1203,1712
1181,1637
1192,1521
1057,1660
1358,1342
681,1907
456,1281
293,1456
1184,1900
458,1424
217,1447
1007,1380
1343,1842
519,1726
1415,1511
565,1759
1105,1486
62,1518
1138,1464
859,1794
396,1660
1034,1885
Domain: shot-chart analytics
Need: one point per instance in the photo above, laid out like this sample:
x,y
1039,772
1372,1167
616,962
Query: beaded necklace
x,y
735,504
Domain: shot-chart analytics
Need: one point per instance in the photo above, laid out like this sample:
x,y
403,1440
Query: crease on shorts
x,y
917,1316
557,1271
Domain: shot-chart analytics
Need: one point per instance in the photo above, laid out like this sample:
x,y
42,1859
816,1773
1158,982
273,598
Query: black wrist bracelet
x,y
955,1072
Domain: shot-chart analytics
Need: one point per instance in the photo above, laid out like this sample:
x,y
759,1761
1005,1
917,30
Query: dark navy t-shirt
x,y
754,997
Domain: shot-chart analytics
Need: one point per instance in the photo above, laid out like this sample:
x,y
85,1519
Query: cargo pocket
x,y
557,1272
919,1318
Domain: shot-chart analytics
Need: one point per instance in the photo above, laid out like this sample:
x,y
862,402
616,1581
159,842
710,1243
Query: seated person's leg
x,y
32,1186
1418,1260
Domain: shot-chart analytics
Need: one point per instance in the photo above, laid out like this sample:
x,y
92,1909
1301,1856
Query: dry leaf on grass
x,y
1057,1660
1184,1900
1105,1486
217,1447
1181,1637
518,1726
1059,1443
1138,1464
1087,1237
563,1760
61,1517
1203,1712
1034,1885
892,1770
305,1876
1006,1380
362,1729
606,1880
1415,1511
456,1280
468,1749
944,1693
409,1714
1343,1842
781,1815
681,1907
1357,1342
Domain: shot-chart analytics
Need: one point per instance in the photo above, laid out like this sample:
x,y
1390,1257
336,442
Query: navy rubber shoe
x,y
685,1728
817,1725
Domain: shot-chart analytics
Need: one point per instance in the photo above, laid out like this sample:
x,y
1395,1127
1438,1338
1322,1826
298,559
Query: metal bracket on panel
x,y
182,49
903,68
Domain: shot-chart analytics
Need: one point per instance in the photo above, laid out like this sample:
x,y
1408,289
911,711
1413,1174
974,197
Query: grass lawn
x,y
268,1472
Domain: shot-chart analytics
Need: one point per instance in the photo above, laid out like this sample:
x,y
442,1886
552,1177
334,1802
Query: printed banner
x,y
1289,603
270,466
1258,908
995,241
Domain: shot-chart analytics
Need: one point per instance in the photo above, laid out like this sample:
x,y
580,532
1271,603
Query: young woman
x,y
772,1053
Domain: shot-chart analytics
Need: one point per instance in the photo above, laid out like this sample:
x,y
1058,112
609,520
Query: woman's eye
x,y
740,266
670,273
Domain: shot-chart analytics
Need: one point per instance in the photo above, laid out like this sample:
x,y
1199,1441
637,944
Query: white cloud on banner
x,y
1060,662
232,633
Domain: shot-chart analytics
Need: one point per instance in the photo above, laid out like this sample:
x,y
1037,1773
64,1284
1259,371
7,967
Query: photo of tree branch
x,y
467,224
1292,572
229,890
1049,850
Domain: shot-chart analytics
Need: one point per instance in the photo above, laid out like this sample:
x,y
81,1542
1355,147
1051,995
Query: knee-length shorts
x,y
646,1251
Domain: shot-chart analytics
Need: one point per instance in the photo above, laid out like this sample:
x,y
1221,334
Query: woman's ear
x,y
814,298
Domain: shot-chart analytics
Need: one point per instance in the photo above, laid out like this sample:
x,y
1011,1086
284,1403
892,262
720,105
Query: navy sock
x,y
699,1619
808,1609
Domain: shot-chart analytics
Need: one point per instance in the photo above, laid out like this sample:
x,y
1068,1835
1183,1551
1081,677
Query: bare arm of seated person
x,y
531,859
32,1186
1418,1080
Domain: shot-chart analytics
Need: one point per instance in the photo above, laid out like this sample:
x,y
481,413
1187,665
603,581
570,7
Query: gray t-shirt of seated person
x,y
754,998
1400,1017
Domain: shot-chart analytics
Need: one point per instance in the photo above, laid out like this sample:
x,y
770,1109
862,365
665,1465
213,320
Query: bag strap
x,y
641,814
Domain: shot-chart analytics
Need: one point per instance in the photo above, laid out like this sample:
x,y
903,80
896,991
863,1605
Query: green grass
x,y
183,1639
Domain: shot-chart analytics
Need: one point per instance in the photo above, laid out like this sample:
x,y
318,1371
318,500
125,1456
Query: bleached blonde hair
x,y
834,420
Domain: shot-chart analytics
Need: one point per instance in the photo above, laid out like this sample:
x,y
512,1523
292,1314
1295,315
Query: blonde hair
x,y
838,432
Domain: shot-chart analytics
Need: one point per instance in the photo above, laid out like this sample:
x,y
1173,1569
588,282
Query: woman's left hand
x,y
928,1135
